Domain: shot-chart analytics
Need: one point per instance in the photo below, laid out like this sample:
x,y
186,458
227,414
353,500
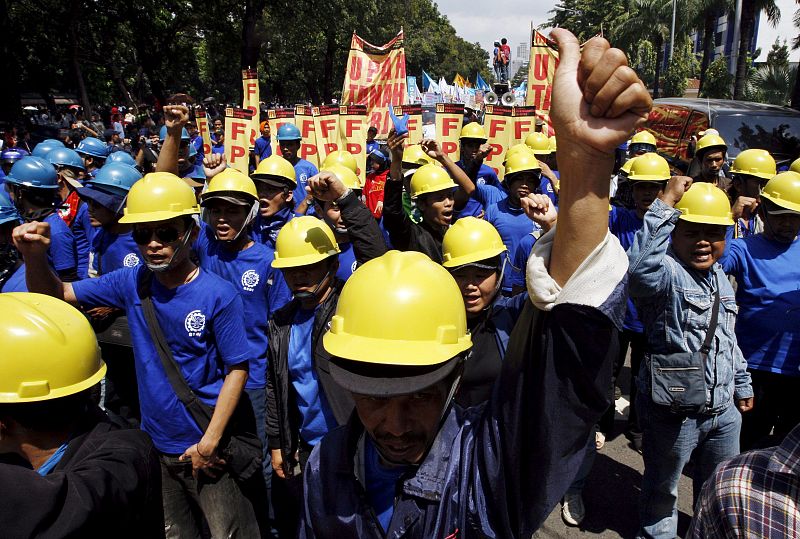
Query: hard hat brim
x,y
297,261
477,256
107,200
155,216
445,187
791,207
380,380
707,219
275,181
59,392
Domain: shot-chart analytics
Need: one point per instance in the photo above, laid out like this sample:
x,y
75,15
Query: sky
x,y
485,21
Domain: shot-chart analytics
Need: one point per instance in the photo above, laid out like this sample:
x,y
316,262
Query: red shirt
x,y
506,51
373,191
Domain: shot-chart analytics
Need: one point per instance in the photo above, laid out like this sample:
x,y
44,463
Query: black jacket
x,y
405,234
107,484
283,418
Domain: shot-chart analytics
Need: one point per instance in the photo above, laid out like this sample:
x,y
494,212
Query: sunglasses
x,y
164,234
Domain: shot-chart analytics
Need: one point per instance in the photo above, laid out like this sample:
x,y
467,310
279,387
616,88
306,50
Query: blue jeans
x,y
668,441
258,400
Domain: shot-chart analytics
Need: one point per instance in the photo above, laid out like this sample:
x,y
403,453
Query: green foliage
x,y
771,83
586,18
643,61
683,65
778,55
718,80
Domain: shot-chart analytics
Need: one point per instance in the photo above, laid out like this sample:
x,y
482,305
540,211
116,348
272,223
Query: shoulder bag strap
x,y
712,326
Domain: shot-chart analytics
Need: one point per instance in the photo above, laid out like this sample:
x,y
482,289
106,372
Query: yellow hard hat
x,y
50,349
553,145
626,166
274,167
649,167
417,323
521,162
795,166
784,190
539,143
343,158
230,180
755,162
515,149
345,175
643,137
415,155
304,241
709,141
473,130
705,203
157,197
430,179
470,240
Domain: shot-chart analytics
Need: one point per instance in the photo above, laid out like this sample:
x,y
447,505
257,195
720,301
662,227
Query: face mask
x,y
160,268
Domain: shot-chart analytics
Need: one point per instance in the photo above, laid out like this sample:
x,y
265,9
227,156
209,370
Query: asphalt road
x,y
611,494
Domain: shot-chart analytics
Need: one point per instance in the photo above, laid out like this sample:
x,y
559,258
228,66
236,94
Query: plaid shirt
x,y
755,494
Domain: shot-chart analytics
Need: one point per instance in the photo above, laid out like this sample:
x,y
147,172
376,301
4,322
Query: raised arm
x,y
175,118
32,240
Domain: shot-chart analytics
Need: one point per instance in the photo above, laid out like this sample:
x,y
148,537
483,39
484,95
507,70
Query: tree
x,y
779,54
643,61
706,14
771,83
682,66
795,104
717,84
747,29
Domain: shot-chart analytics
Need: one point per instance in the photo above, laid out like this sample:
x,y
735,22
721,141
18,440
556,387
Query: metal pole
x,y
672,30
737,28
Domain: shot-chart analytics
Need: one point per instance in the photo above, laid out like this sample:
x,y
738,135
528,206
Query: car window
x,y
666,123
778,134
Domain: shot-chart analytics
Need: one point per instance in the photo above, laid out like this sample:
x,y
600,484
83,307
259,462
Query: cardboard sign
x,y
376,77
250,102
202,127
276,118
449,117
497,122
414,121
237,133
541,70
304,120
353,133
523,123
326,128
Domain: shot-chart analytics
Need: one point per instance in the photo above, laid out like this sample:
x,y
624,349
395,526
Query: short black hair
x,y
372,129
504,41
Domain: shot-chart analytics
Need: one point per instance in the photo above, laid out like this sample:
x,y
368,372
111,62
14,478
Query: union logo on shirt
x,y
195,323
250,280
130,260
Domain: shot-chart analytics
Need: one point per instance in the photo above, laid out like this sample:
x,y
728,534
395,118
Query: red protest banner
x,y
202,126
449,117
276,118
304,120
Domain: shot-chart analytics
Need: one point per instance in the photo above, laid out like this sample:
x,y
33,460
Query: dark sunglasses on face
x,y
164,234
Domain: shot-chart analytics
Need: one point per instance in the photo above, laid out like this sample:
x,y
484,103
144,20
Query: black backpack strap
x,y
712,326
199,411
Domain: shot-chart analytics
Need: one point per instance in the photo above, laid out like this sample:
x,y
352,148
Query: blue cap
x,y
93,147
34,173
112,201
162,133
8,212
289,132
378,154
121,157
64,157
10,155
47,146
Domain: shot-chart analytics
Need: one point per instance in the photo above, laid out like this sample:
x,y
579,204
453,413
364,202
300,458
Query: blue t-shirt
x,y
111,252
381,483
203,324
194,172
303,170
260,286
520,260
513,225
546,188
62,254
83,232
624,224
347,261
768,295
265,231
317,416
485,176
472,208
16,283
487,195
197,142
216,148
263,147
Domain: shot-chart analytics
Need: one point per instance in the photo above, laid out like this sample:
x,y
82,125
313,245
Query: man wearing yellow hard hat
x,y
766,266
751,171
191,354
641,143
709,164
411,463
693,383
473,150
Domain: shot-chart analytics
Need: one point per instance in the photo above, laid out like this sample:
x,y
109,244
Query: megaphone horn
x,y
490,98
508,99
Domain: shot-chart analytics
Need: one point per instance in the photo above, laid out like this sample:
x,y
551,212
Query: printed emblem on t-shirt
x,y
481,181
130,260
195,323
353,267
250,280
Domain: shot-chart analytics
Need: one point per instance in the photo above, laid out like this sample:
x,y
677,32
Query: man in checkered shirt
x,y
754,494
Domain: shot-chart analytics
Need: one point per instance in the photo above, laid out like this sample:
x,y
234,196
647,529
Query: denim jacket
x,y
675,303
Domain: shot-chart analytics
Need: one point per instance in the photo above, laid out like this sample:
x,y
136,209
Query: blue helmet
x,y
115,178
64,157
47,146
93,147
121,157
34,173
289,132
11,155
162,133
8,212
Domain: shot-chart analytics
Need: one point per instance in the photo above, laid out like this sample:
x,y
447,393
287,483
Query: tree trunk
x,y
10,104
252,38
708,46
745,37
795,97
327,66
74,58
659,59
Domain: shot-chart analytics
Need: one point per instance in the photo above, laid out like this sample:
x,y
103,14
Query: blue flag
x,y
426,81
480,84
